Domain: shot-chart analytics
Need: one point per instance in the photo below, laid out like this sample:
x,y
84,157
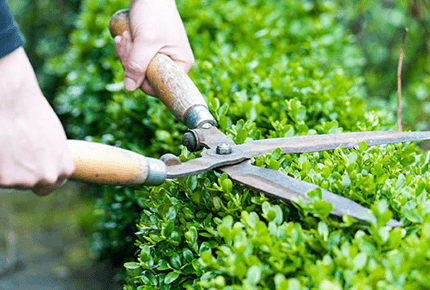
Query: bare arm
x,y
33,150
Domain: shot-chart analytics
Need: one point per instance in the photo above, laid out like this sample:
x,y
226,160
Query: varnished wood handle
x,y
104,164
172,85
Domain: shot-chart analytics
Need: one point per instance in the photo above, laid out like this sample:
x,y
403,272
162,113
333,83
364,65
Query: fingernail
x,y
130,85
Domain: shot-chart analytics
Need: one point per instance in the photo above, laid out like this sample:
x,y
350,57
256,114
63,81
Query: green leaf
x,y
329,285
145,253
266,207
276,154
293,284
346,181
384,234
223,110
301,114
169,228
192,182
323,230
188,255
400,181
378,169
253,275
132,265
175,261
360,260
306,166
242,134
163,265
363,146
275,165
171,277
223,122
280,281
149,279
352,157
192,235
171,214
227,185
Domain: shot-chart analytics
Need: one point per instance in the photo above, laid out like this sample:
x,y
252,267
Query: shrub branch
x,y
399,83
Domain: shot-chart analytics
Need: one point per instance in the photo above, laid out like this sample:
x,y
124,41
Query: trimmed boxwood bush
x,y
267,69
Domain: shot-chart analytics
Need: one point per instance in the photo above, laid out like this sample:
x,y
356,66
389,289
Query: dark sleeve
x,y
10,36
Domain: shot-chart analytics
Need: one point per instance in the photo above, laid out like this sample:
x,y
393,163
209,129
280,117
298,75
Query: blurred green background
x,y
67,215
378,25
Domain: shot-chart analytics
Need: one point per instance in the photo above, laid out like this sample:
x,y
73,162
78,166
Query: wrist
x,y
17,76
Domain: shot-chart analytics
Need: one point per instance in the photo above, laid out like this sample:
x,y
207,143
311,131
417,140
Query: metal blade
x,y
209,160
299,144
281,186
315,143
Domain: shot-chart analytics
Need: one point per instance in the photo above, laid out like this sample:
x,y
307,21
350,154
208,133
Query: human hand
x,y
155,27
33,150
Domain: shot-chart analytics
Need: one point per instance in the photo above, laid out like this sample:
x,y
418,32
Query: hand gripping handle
x,y
104,164
172,85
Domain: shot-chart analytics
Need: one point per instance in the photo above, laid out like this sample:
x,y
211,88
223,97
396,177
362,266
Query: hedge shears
x,y
104,164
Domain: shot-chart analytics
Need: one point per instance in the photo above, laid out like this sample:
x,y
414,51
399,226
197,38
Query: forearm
x,y
132,2
33,148
16,76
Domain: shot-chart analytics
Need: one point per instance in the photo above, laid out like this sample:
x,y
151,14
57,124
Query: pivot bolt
x,y
223,149
190,141
207,126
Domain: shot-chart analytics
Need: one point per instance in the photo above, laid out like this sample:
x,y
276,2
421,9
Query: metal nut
x,y
189,140
223,149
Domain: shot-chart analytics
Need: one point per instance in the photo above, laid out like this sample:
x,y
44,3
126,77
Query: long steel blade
x,y
281,186
315,143
299,144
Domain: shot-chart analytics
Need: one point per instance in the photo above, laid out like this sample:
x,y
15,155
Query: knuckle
x,y
48,178
190,60
31,182
69,170
68,167
134,68
6,182
18,181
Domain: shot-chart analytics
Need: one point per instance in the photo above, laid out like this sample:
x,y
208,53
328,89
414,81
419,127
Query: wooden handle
x,y
171,84
104,164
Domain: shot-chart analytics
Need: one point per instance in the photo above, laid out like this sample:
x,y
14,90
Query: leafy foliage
x,y
288,70
379,27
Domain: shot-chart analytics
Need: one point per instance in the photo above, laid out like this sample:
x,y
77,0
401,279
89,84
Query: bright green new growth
x,y
267,69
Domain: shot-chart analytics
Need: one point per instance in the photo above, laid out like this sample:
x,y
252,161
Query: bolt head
x,y
223,149
190,141
206,126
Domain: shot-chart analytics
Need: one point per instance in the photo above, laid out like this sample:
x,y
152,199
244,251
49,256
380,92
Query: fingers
x,y
135,68
134,62
146,87
157,28
43,189
54,178
47,185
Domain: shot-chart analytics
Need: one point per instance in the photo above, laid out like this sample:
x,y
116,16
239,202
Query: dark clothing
x,y
10,36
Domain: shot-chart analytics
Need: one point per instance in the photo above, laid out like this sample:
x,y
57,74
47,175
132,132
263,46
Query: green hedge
x,y
267,69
